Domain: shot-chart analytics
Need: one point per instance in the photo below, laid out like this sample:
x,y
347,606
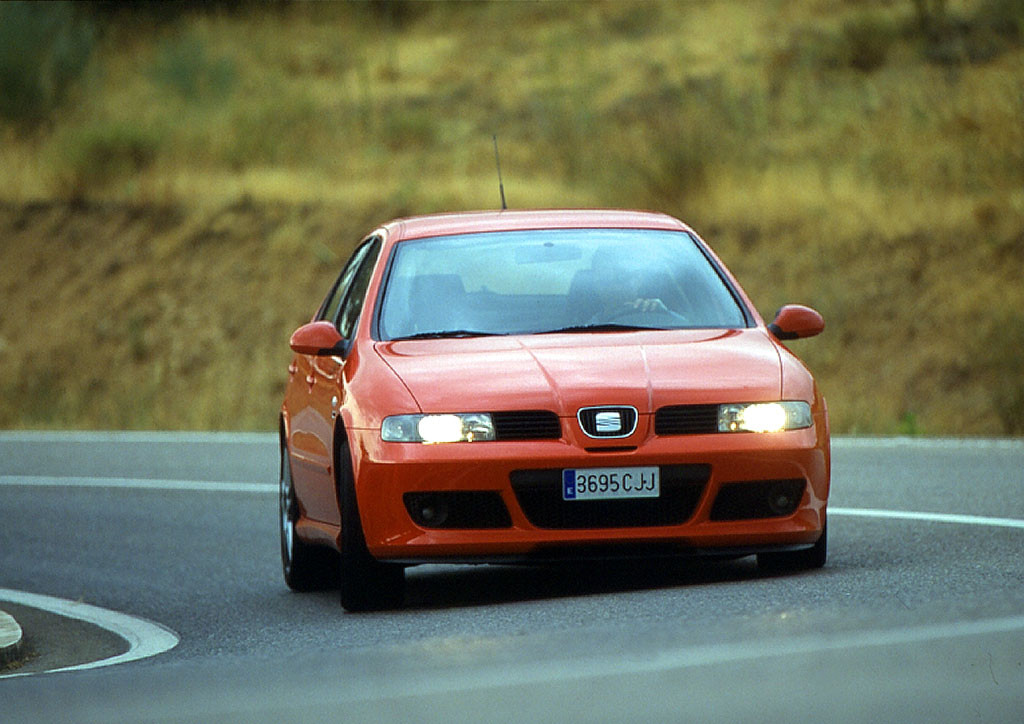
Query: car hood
x,y
563,372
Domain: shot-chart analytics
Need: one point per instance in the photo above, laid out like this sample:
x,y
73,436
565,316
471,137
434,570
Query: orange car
x,y
529,386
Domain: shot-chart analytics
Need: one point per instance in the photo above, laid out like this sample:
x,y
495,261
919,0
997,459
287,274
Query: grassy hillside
x,y
180,194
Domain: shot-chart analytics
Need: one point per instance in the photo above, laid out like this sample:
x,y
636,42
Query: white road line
x,y
930,517
139,436
50,481
145,638
929,443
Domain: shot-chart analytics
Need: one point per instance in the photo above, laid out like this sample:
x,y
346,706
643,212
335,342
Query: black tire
x,y
366,583
306,567
809,558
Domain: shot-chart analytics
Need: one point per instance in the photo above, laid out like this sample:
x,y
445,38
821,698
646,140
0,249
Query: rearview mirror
x,y
795,321
320,339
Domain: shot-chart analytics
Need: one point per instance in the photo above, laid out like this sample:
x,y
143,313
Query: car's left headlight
x,y
465,427
764,416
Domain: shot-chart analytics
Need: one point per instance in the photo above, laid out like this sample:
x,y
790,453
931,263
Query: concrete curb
x,y
10,638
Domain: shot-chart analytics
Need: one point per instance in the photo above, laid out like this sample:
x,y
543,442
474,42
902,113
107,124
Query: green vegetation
x,y
43,50
180,183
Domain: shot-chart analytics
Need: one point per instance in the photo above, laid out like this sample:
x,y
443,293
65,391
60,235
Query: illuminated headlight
x,y
469,427
764,417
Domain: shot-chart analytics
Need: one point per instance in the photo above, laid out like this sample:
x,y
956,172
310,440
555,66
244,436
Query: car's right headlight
x,y
764,416
464,427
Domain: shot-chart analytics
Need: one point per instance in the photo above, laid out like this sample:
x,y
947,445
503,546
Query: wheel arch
x,y
340,436
284,428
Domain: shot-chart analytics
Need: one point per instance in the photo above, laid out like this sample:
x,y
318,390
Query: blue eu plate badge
x,y
568,485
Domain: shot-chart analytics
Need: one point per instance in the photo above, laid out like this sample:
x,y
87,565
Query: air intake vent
x,y
686,420
526,425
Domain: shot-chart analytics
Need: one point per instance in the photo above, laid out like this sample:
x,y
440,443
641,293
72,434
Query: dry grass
x,y
190,202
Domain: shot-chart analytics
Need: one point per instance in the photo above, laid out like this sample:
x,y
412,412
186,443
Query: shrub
x,y
409,127
283,128
862,43
866,43
994,28
1003,342
44,47
634,20
183,65
1003,16
674,134
931,15
679,151
397,13
98,155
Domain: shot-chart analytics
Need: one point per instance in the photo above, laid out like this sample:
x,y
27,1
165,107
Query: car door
x,y
317,394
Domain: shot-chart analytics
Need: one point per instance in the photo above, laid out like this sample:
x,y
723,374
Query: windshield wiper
x,y
602,328
446,333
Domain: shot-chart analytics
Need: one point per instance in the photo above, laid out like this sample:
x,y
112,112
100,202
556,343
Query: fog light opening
x,y
783,499
457,509
433,512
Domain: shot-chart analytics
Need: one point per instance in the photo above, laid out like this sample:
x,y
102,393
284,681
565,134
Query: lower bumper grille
x,y
539,493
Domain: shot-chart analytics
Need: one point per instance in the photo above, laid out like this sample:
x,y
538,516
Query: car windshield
x,y
558,280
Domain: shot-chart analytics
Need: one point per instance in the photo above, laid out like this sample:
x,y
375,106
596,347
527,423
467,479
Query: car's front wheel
x,y
306,567
813,557
366,583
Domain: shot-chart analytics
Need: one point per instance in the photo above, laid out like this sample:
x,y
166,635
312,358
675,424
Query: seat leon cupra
x,y
536,386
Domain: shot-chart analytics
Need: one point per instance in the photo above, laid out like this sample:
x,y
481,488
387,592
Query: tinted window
x,y
529,282
356,295
329,309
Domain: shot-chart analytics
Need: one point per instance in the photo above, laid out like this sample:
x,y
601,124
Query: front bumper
x,y
387,472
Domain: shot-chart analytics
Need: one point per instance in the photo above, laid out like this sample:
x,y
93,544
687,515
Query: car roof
x,y
419,227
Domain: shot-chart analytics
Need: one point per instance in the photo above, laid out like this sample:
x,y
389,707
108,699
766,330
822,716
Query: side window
x,y
329,309
356,296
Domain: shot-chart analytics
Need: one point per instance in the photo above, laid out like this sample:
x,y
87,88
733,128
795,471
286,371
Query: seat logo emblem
x,y
608,423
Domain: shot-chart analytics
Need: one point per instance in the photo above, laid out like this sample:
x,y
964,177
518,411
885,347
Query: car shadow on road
x,y
435,587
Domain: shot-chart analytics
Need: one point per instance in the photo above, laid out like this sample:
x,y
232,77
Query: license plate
x,y
610,483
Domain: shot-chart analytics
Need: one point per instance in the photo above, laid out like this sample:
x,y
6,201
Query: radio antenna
x,y
497,162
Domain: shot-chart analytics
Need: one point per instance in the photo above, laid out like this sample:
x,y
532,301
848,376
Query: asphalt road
x,y
915,618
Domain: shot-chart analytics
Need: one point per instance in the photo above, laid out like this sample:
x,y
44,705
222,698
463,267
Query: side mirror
x,y
320,339
794,321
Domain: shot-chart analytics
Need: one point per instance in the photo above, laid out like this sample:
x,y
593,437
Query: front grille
x,y
526,425
539,493
686,420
